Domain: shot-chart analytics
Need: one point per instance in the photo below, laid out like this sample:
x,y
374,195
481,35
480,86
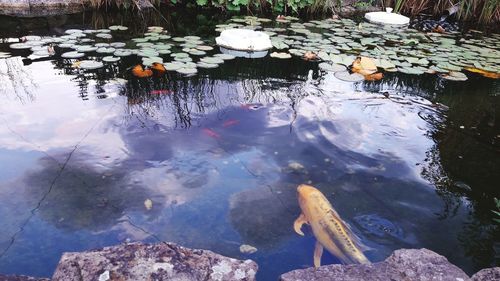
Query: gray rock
x,y
163,261
20,278
487,274
403,264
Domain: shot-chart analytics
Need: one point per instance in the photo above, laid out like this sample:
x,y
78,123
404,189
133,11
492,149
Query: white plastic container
x,y
387,18
244,40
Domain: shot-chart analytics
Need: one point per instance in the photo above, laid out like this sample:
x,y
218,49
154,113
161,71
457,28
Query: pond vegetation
x,y
118,128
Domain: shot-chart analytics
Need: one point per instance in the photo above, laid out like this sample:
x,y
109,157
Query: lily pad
x,y
90,64
331,67
110,59
72,55
349,77
187,71
20,46
212,60
281,55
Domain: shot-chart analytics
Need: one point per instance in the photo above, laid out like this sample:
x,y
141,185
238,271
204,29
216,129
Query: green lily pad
x,y
331,67
349,77
280,55
206,65
110,59
90,64
187,71
72,55
212,60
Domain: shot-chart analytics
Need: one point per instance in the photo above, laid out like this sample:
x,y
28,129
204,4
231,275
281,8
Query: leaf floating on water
x,y
331,67
484,72
280,55
90,64
454,76
148,204
364,66
346,76
247,249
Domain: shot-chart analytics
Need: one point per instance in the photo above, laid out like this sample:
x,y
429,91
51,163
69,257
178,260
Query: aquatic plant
x,y
497,211
483,11
126,4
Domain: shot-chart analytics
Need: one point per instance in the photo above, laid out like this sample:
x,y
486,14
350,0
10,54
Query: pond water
x,y
409,161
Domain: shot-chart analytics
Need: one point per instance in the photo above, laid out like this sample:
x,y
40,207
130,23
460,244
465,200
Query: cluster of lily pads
x,y
156,46
337,42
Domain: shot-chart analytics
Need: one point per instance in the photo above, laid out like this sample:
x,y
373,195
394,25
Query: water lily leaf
x,y
281,55
173,66
104,35
110,59
105,50
90,64
20,46
342,59
383,63
212,60
117,44
187,71
122,53
279,44
72,55
346,76
454,76
206,65
118,27
331,67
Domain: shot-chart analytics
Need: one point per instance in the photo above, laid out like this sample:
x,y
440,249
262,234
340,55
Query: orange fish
x,y
140,72
211,133
374,77
159,68
161,92
230,123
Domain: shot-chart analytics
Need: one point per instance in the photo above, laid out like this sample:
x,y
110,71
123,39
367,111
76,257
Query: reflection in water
x,y
220,156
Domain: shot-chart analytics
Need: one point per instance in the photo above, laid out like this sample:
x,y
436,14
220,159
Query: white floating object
x,y
387,18
244,40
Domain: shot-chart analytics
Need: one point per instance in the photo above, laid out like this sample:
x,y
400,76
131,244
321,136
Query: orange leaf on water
x,y
484,73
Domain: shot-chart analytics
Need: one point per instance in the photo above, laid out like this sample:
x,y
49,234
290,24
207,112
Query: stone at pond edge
x,y
163,261
404,264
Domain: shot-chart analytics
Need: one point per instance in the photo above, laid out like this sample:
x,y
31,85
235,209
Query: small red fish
x,y
161,92
251,106
211,133
230,122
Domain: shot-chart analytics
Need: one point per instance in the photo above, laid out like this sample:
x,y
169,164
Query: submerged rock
x,y
404,264
247,249
163,261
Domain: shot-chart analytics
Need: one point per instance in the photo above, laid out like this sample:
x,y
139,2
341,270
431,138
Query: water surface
x,y
408,162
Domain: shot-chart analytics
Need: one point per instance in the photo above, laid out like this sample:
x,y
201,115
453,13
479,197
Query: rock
x,y
403,264
38,8
247,249
487,274
20,278
163,261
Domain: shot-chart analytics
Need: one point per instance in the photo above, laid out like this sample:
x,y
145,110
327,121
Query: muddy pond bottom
x,y
212,161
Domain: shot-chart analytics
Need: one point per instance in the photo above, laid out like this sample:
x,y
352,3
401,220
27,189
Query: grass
x,y
482,11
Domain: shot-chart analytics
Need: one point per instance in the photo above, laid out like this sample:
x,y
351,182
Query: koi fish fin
x,y
297,225
318,252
